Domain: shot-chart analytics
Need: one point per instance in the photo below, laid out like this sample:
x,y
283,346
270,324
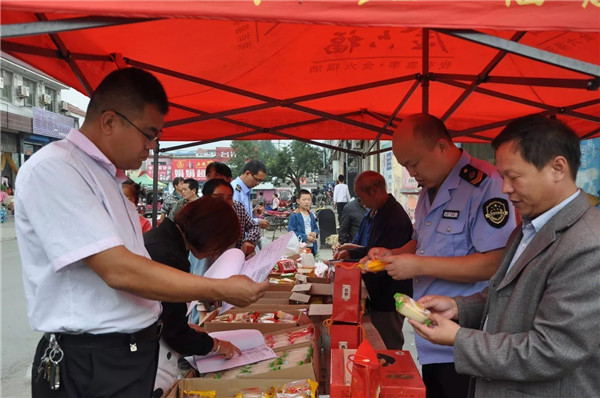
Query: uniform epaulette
x,y
473,175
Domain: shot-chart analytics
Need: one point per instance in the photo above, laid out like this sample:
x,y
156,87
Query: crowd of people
x,y
506,257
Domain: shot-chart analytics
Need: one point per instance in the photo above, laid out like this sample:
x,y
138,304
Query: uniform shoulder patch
x,y
238,188
472,174
496,212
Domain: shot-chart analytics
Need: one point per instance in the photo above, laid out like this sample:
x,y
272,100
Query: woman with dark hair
x,y
169,244
132,191
249,230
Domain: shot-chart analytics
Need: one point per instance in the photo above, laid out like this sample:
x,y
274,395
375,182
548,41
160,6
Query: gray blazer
x,y
543,332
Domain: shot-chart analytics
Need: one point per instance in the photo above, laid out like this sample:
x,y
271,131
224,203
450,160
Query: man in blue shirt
x,y
463,221
253,174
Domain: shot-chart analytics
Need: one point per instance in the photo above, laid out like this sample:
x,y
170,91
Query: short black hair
x,y
539,139
341,178
177,181
255,166
209,186
137,188
430,129
129,89
192,184
220,168
304,192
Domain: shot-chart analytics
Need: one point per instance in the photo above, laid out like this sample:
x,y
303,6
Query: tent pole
x,y
155,186
482,77
269,102
64,52
425,71
64,25
404,100
591,133
524,51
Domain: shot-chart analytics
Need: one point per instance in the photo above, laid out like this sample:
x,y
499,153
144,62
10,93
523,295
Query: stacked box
x,y
398,374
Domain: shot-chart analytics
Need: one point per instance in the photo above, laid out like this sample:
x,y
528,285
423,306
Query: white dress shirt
x,y
341,194
69,206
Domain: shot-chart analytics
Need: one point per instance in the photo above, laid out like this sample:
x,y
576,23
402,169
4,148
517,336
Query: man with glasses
x,y
90,285
253,174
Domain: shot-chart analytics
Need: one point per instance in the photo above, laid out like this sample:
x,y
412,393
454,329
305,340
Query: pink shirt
x,y
69,206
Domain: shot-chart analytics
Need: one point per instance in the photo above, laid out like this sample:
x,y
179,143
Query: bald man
x,y
463,221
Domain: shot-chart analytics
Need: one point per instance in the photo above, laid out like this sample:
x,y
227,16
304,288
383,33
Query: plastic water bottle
x,y
2,215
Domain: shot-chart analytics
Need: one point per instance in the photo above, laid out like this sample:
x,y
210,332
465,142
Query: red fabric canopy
x,y
330,69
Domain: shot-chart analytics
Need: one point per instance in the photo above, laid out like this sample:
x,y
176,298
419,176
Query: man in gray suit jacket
x,y
535,331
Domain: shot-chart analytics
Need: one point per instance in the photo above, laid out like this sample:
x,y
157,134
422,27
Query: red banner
x,y
190,168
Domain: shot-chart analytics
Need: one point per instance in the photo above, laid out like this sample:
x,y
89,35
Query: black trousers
x,y
94,370
340,210
442,381
389,325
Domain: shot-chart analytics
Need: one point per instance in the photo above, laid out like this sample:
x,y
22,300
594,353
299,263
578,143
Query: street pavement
x,y
18,341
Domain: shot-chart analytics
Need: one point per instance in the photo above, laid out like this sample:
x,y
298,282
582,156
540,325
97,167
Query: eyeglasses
x,y
259,180
150,138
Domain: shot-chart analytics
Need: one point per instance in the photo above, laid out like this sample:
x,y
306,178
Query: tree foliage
x,y
295,161
249,150
289,164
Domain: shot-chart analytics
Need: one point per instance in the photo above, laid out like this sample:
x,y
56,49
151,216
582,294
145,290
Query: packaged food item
x,y
199,394
298,389
286,265
256,392
408,307
373,265
223,318
268,317
285,317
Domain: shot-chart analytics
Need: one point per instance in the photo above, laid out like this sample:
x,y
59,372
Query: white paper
x,y
229,263
250,341
258,267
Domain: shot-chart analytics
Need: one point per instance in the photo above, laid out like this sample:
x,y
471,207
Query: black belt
x,y
151,333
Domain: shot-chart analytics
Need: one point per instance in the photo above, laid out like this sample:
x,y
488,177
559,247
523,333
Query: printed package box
x,y
399,375
347,287
302,319
345,336
229,387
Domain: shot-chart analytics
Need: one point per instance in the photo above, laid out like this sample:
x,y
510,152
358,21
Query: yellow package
x,y
200,394
373,265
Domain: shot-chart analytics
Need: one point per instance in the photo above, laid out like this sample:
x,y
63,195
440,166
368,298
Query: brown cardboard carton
x,y
303,319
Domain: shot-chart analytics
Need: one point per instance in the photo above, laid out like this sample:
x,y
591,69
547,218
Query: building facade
x,y
31,114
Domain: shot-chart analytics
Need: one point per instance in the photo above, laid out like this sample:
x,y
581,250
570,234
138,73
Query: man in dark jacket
x,y
386,225
351,218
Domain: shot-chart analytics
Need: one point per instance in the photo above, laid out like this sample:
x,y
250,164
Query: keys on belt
x,y
49,367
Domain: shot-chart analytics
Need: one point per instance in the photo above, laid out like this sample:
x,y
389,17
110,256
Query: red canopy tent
x,y
327,69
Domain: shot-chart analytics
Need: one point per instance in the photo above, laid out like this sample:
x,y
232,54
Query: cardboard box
x,y
399,375
303,319
229,387
346,294
345,336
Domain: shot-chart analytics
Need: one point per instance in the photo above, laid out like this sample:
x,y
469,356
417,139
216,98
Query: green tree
x,y
295,161
249,150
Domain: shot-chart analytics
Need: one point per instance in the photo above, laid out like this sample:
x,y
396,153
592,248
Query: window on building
x,y
7,80
30,101
51,106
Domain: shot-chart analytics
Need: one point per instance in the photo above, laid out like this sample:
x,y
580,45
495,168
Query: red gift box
x,y
345,336
398,372
346,293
